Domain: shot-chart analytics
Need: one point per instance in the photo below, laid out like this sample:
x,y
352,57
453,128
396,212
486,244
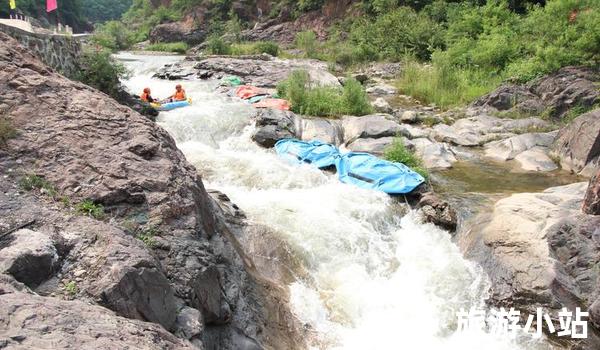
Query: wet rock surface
x,y
538,249
161,234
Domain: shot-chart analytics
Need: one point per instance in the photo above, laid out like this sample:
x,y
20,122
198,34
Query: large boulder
x,y
87,146
273,125
324,130
577,145
554,94
30,257
591,202
177,32
370,145
538,250
370,126
530,151
30,321
511,147
435,155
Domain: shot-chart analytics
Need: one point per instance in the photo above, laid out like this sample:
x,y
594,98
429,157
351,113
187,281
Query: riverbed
x,y
377,278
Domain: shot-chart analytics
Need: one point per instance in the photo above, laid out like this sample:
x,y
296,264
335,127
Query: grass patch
x,y
576,111
178,47
146,235
445,85
255,48
34,182
398,153
217,46
309,99
91,209
7,131
71,288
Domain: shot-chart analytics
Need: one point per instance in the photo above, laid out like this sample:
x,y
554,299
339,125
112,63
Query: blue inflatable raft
x,y
367,171
315,152
173,105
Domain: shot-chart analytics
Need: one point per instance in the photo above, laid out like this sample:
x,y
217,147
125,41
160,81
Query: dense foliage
x,y
98,11
310,99
101,71
70,12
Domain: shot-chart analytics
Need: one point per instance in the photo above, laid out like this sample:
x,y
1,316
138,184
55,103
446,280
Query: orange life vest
x,y
179,95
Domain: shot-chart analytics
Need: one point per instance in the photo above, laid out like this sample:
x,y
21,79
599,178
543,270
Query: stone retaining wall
x,y
57,51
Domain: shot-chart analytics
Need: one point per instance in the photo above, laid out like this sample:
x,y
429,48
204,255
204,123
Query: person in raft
x,y
147,97
179,94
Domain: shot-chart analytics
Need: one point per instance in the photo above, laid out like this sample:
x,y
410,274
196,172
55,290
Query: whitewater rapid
x,y
378,279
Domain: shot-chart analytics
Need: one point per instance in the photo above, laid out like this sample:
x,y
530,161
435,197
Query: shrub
x,y
324,101
101,71
307,42
7,131
396,34
179,47
354,99
113,35
398,153
217,46
267,47
32,182
89,208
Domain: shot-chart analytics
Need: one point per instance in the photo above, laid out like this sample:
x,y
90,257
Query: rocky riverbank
x,y
539,249
108,234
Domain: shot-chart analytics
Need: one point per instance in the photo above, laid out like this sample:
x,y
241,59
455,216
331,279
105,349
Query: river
x,y
377,279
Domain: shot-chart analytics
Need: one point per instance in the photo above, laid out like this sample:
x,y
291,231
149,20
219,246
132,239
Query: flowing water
x,y
377,279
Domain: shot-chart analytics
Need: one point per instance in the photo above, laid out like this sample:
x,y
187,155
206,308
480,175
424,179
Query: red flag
x,y
51,5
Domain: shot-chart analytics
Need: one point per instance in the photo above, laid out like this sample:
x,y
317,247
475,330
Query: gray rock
x,y
382,106
324,130
438,211
433,154
265,73
189,323
30,257
369,145
578,144
591,202
142,293
177,32
461,137
412,132
273,125
536,159
207,296
556,93
510,148
512,245
370,126
382,90
409,117
58,324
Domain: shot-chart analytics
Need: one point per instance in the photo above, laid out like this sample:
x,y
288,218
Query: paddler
x,y
147,96
179,94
